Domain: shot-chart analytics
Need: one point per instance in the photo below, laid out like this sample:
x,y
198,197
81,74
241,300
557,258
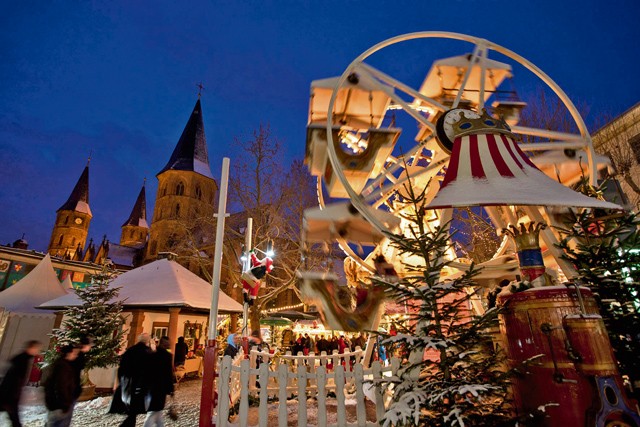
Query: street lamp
x,y
270,252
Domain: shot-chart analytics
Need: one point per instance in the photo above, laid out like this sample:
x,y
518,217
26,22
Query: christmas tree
x,y
99,317
604,248
452,376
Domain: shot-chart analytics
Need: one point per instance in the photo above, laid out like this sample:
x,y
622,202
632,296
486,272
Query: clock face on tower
x,y
78,221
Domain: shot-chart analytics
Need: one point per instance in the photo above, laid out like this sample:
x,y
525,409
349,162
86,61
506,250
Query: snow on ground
x,y
187,400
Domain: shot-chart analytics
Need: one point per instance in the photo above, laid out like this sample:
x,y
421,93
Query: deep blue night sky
x,y
118,78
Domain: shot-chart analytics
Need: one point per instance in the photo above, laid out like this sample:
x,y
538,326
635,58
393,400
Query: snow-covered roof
x,y
162,283
122,255
79,198
37,287
190,154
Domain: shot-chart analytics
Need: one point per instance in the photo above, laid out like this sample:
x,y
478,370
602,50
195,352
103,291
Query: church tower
x,y
136,230
186,191
72,222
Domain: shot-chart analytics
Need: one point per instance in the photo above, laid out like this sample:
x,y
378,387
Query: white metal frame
x,y
558,140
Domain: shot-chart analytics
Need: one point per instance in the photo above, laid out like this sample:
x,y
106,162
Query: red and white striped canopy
x,y
488,169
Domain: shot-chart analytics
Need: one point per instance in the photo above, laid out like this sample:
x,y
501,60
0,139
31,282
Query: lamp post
x,y
208,398
245,307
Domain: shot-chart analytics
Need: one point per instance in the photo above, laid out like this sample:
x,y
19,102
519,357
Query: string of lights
x,y
288,307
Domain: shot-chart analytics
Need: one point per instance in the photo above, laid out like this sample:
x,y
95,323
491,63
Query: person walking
x,y
15,378
133,376
180,353
60,388
79,364
160,382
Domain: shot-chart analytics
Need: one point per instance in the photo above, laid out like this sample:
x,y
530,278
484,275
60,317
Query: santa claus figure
x,y
252,278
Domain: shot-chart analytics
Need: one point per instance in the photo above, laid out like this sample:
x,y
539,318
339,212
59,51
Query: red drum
x,y
588,338
532,326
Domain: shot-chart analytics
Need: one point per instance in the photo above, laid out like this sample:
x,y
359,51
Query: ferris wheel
x,y
364,152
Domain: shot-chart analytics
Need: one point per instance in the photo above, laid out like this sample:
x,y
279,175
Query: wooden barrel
x,y
589,340
532,326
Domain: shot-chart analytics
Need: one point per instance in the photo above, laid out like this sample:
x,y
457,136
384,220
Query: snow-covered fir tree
x,y
99,317
604,247
452,376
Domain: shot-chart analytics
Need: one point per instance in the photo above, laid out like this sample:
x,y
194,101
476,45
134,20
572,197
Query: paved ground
x,y
187,400
94,413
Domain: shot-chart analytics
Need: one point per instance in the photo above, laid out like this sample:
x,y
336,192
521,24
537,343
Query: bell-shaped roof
x,y
138,215
488,169
162,283
79,198
190,153
37,287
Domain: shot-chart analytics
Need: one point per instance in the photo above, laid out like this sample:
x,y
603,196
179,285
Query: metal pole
x,y
247,266
209,398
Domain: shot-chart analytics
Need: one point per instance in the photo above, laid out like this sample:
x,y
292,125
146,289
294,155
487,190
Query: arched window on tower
x,y
180,189
164,191
131,234
198,192
66,220
178,210
60,240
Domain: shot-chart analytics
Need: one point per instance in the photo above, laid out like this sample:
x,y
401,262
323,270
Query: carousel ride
x,y
468,150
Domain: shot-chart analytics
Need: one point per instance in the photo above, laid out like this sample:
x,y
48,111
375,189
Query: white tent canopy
x,y
67,283
37,287
162,283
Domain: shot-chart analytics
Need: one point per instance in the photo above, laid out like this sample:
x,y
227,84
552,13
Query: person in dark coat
x,y
15,378
233,345
160,382
180,354
133,377
60,388
79,364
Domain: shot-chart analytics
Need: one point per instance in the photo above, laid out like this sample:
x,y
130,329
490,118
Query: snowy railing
x,y
306,377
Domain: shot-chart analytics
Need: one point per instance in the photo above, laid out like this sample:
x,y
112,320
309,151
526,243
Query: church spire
x,y
136,230
138,215
79,198
190,153
72,221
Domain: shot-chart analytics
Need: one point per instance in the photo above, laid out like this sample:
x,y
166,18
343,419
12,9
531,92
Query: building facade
x,y
620,141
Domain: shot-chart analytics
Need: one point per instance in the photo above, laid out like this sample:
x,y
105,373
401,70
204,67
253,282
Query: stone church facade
x,y
186,192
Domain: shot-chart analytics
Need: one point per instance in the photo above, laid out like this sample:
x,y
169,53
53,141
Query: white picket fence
x,y
305,377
